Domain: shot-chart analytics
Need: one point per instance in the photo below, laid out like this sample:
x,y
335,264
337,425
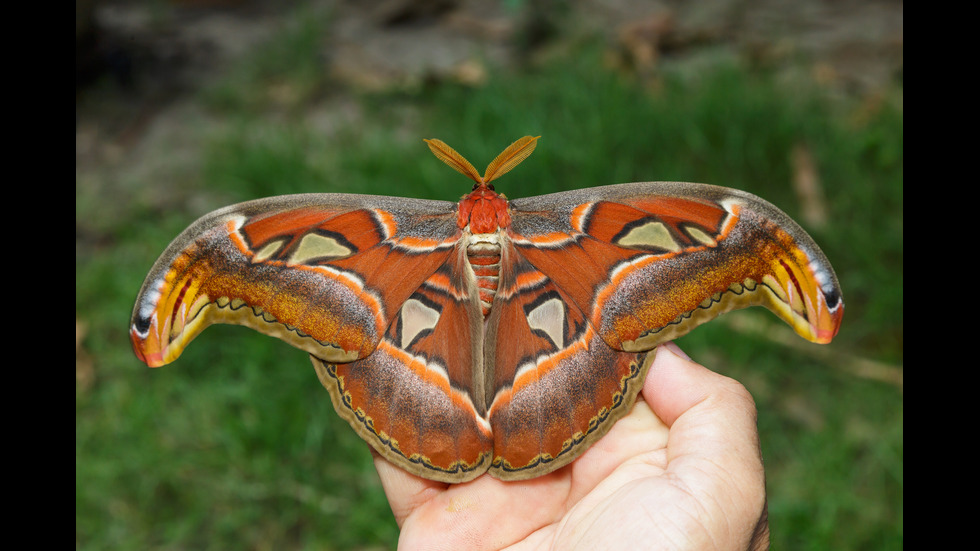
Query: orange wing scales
x,y
414,398
490,335
557,386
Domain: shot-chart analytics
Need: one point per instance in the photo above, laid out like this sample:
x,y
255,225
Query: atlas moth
x,y
490,335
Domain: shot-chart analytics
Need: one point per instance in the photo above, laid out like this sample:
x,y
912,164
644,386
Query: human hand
x,y
682,471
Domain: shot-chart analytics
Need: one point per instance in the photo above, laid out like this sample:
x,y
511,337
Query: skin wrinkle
x,y
583,530
739,498
694,517
723,476
713,473
712,501
418,497
541,538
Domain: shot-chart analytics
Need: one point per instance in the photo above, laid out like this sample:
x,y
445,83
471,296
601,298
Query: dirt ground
x,y
154,55
139,66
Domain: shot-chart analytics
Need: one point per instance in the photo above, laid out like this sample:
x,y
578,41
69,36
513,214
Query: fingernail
x,y
676,350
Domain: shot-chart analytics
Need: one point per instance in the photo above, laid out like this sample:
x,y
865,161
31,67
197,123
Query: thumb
x,y
713,446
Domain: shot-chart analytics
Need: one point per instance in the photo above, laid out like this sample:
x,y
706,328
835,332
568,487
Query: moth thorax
x,y
483,253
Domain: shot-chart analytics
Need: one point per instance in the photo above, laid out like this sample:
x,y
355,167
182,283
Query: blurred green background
x,y
184,107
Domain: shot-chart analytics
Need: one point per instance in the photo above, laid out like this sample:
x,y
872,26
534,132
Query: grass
x,y
237,445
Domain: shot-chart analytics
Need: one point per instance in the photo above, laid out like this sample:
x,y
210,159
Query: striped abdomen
x,y
483,253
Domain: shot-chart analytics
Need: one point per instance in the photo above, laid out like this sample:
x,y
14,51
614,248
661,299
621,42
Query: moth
x,y
489,335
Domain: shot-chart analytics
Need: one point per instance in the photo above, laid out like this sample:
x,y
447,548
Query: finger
x,y
405,492
676,384
630,449
706,412
485,514
482,514
713,451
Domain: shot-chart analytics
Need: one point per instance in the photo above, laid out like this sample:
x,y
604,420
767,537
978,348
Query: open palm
x,y
682,471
